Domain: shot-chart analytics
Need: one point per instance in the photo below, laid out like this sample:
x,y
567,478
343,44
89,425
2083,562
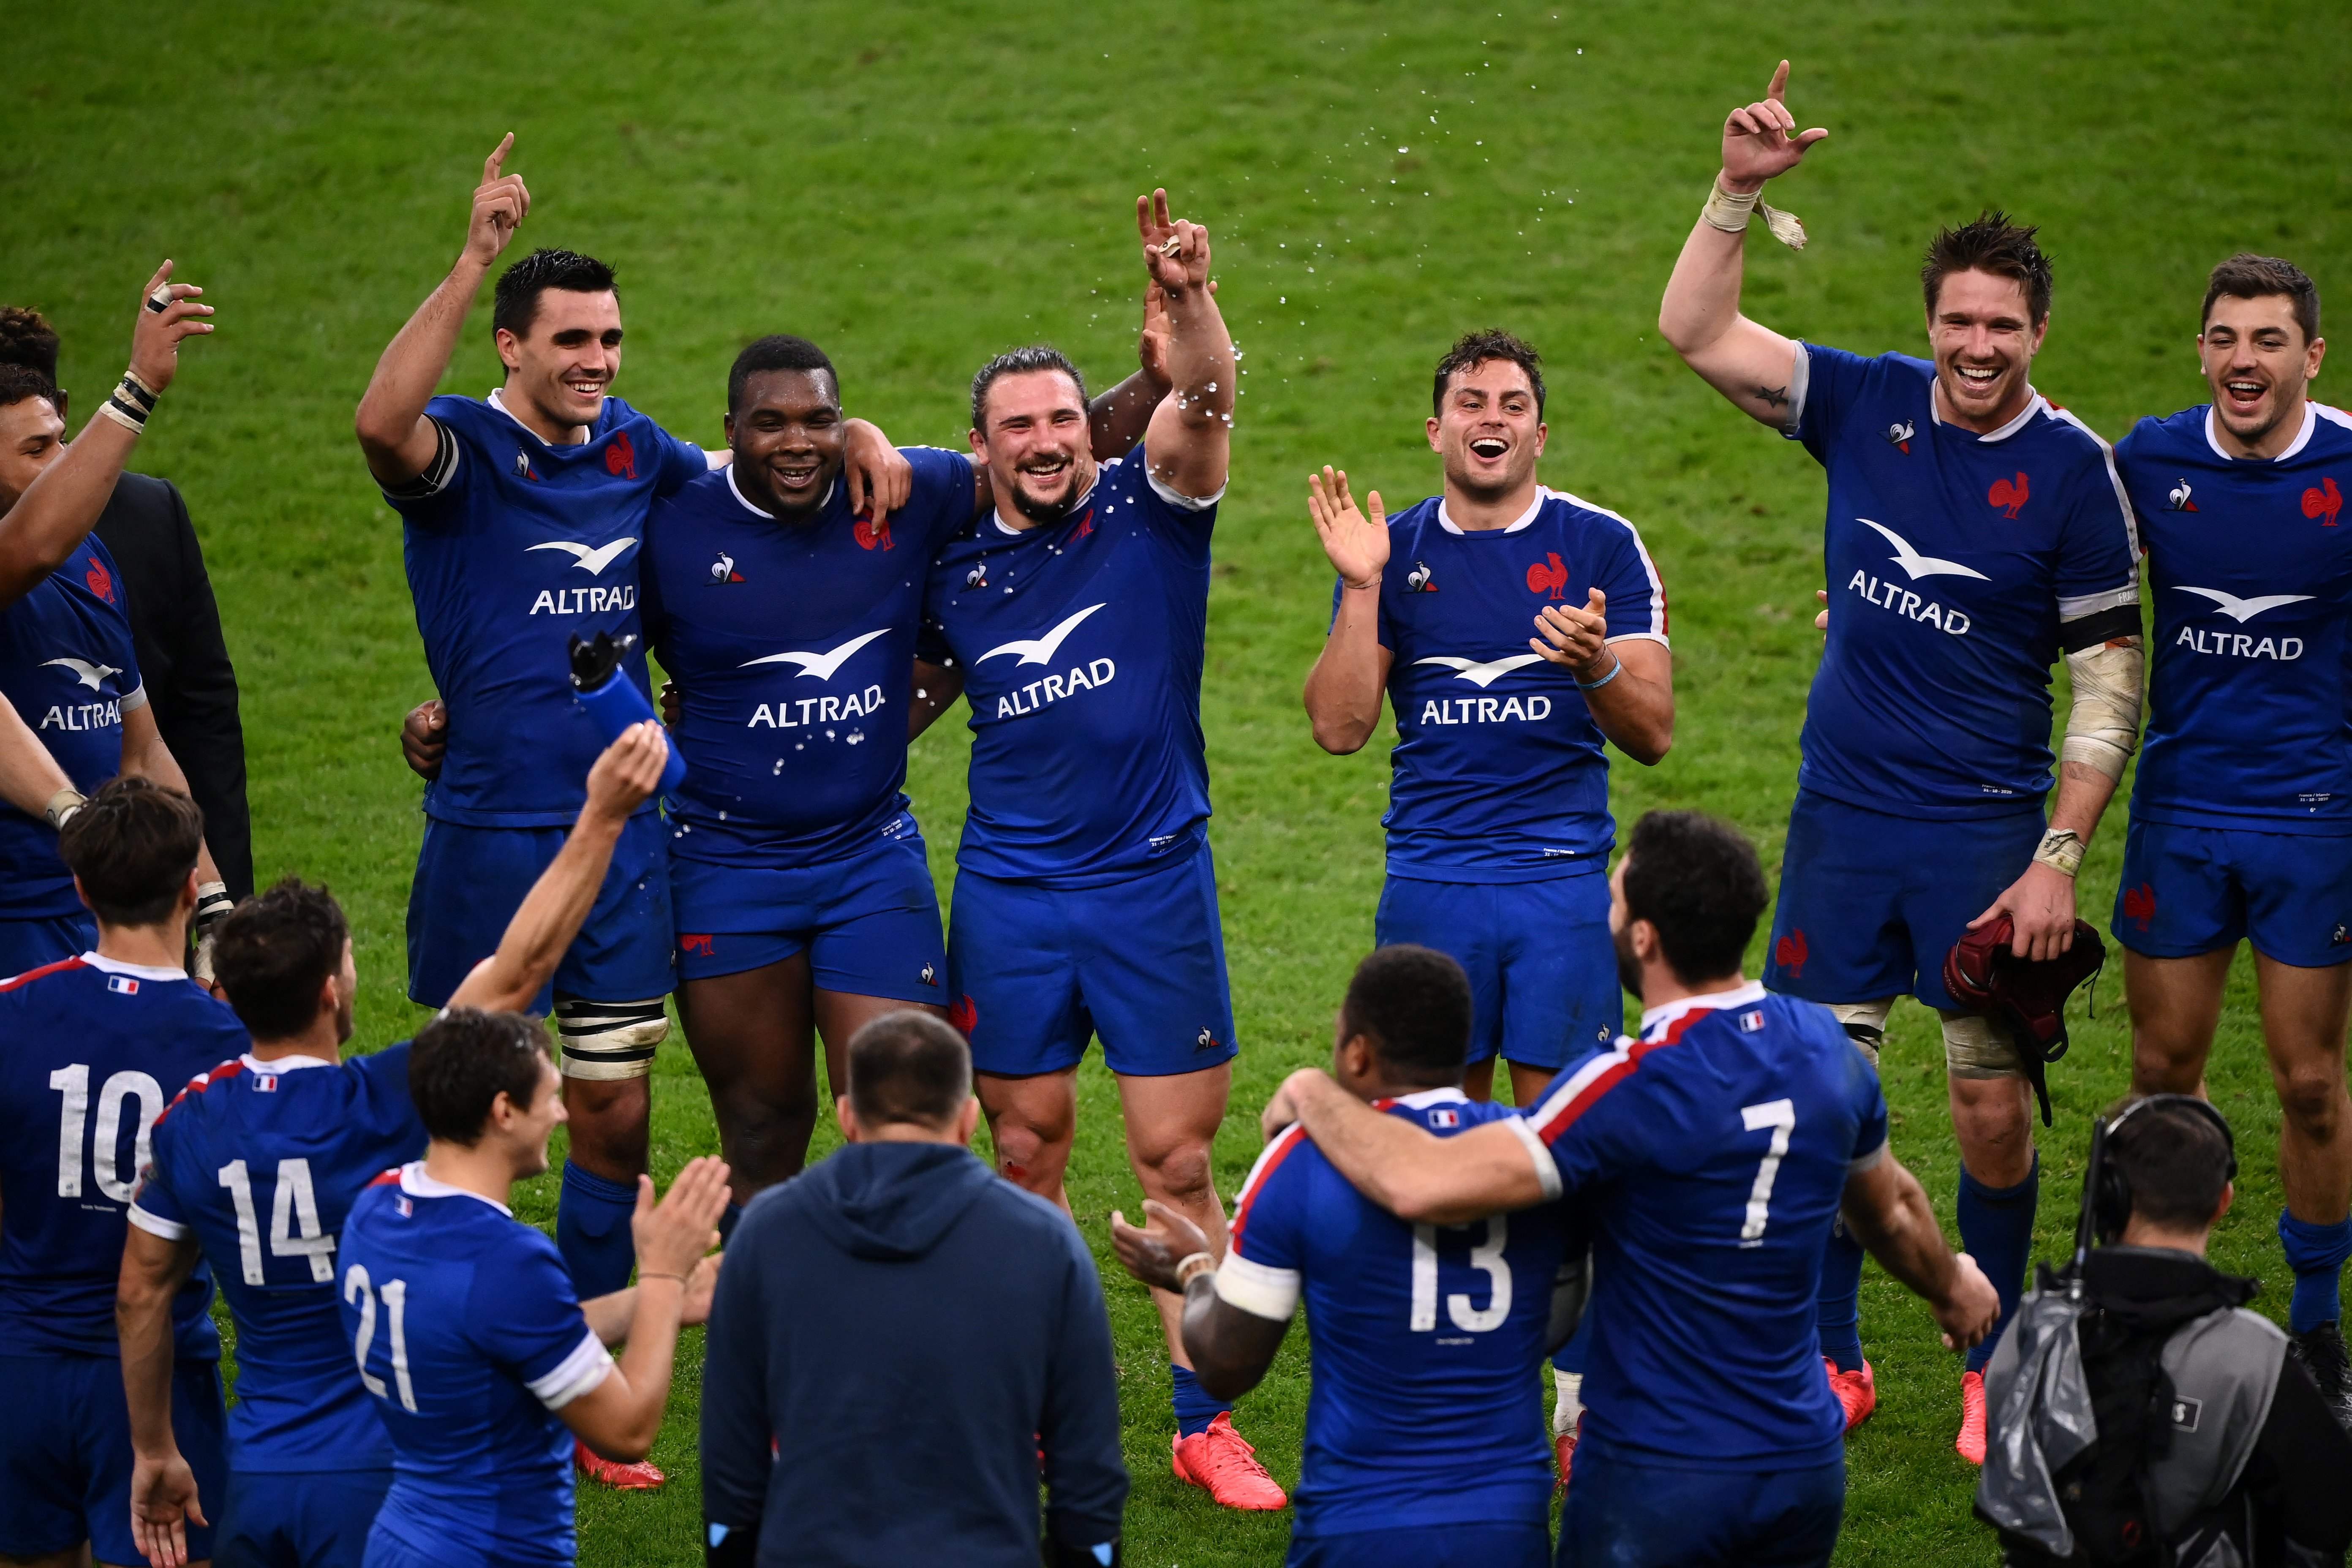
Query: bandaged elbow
x,y
2103,727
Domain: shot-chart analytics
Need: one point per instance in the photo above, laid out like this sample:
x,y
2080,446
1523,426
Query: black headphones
x,y
2109,1192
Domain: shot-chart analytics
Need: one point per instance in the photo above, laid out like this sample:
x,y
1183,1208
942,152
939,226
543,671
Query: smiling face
x,y
1487,430
32,436
558,372
2258,365
1984,338
526,1133
789,439
1036,444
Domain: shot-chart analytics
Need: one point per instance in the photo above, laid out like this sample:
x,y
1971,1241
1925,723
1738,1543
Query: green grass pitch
x,y
917,188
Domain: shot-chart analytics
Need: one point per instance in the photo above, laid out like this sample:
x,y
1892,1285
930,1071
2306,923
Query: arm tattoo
x,y
1772,396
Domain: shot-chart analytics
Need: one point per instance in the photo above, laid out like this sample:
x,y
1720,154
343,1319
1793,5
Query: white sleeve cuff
x,y
1181,503
582,1372
1869,1162
169,1229
1257,1289
1547,1169
1801,375
132,701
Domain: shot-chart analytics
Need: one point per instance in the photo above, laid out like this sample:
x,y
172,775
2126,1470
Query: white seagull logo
x,y
1037,650
89,675
1482,676
2244,610
591,561
1919,566
821,664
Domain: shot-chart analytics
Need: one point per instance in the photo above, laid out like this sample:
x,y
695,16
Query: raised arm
x,y
145,755
1887,1210
1344,689
1406,1170
624,778
1747,362
57,509
1191,437
1117,419
400,443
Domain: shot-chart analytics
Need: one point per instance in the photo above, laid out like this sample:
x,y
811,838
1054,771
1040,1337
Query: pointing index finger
x,y
1779,83
498,157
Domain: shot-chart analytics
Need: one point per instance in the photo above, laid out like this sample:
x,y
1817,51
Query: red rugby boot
x,y
1970,1443
1222,1463
642,1476
1857,1392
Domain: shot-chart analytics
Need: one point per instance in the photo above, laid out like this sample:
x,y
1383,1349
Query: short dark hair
x,y
461,1063
1696,877
1020,362
2175,1160
274,953
909,1065
1472,349
515,304
1413,1004
2246,276
133,845
20,381
1990,244
779,351
27,339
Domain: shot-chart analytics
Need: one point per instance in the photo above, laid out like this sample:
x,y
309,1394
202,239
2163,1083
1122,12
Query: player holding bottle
x,y
253,1168
2242,812
1976,532
1087,901
522,515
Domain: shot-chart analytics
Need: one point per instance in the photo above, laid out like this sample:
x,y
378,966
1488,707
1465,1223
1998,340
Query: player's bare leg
x,y
841,1013
609,1121
2303,1014
1032,1122
753,1035
1992,1120
2176,1005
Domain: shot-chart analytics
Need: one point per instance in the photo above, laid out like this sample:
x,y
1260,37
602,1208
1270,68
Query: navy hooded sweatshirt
x,y
910,1329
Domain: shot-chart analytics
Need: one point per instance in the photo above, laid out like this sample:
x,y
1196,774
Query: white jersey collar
x,y
2034,403
498,401
1705,1001
1077,506
1445,519
417,1185
1425,1097
2302,437
279,1066
762,512
139,970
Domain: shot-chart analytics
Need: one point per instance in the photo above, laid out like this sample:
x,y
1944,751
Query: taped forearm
x,y
2103,726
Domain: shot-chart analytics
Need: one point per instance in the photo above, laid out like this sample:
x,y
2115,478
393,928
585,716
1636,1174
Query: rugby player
x,y
1423,1430
1975,534
521,516
262,1141
2241,813
1713,1150
66,659
90,1047
481,1359
1087,901
803,895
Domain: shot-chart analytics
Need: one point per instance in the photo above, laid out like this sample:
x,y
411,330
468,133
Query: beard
x,y
1629,968
1045,514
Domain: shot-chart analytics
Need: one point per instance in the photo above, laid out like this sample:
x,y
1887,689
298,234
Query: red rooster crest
x,y
963,1015
1553,576
2008,493
2139,905
101,581
621,456
2322,501
1788,952
870,535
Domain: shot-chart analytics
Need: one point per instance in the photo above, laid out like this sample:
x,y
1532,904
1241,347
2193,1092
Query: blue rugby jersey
x,y
1425,1408
90,1051
67,667
468,1339
513,546
2249,563
1081,645
1952,560
1715,1150
793,646
1499,770
261,1161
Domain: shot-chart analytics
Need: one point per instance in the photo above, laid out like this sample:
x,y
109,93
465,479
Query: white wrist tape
x,y
1729,210
2061,849
63,804
1192,1268
2103,726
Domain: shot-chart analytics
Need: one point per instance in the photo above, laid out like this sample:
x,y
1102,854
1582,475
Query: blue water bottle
x,y
613,699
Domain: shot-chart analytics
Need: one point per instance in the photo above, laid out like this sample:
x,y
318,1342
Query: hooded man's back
x,y
909,1331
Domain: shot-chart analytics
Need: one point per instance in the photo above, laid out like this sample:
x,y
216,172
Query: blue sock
x,y
1570,1357
1997,1229
729,1221
2316,1253
1839,1309
592,1231
1194,1407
